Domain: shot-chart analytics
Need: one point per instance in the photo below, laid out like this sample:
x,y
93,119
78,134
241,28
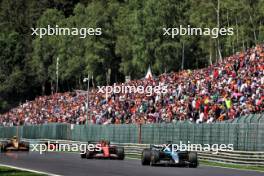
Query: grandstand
x,y
222,91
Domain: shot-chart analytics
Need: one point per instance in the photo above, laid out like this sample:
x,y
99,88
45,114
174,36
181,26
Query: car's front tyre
x,y
193,159
154,157
3,146
120,153
83,155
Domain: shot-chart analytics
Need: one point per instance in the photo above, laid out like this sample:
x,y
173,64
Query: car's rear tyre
x,y
89,154
154,157
120,153
145,157
193,159
25,144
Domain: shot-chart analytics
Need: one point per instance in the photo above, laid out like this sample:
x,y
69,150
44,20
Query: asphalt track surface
x,y
71,164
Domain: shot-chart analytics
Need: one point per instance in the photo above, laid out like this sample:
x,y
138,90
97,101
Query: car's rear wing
x,y
157,147
92,142
97,142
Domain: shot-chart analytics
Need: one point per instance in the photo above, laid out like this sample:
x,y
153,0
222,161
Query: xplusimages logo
x,y
196,31
127,89
214,148
66,31
64,147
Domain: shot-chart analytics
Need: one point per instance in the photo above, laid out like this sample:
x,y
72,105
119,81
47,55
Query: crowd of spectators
x,y
225,90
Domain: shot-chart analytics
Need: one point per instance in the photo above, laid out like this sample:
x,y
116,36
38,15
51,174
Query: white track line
x,y
29,170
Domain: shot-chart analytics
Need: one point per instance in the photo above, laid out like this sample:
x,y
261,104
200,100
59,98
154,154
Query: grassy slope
x,y
234,166
6,171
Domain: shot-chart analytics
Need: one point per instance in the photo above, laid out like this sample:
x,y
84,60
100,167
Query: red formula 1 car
x,y
104,151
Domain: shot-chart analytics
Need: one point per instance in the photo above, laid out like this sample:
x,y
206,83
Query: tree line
x,y
131,41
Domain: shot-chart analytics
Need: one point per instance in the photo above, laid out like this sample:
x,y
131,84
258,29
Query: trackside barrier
x,y
245,133
254,158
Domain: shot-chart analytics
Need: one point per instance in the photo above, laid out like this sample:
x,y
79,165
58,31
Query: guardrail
x,y
255,158
235,157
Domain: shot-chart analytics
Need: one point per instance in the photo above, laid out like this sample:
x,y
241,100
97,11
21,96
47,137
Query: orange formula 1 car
x,y
14,144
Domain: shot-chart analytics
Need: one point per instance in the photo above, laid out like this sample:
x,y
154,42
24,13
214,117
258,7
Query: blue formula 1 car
x,y
158,155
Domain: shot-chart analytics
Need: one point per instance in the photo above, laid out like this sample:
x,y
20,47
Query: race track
x,y
71,164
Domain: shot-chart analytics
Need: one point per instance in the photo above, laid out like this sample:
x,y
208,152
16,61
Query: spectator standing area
x,y
223,91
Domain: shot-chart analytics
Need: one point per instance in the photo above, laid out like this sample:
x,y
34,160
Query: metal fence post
x,y
139,133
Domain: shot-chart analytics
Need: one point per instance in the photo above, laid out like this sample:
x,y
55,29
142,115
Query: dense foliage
x,y
132,40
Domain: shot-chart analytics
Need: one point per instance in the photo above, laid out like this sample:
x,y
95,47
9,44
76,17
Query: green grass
x,y
218,164
7,171
234,166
